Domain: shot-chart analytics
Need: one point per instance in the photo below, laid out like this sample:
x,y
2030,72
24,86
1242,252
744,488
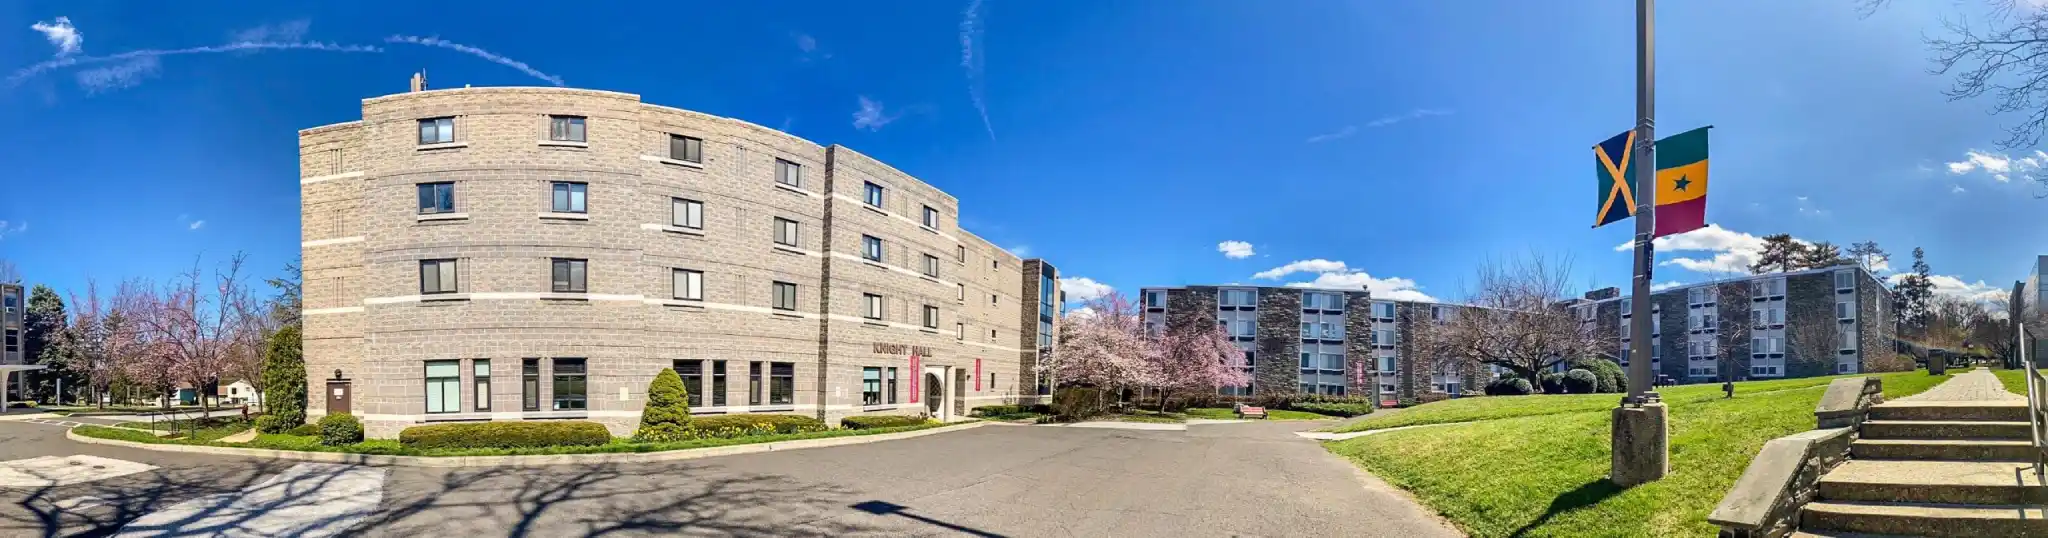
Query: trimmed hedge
x,y
751,424
1609,373
340,429
1075,403
994,410
1510,386
1552,383
308,430
863,422
1581,382
524,434
1335,409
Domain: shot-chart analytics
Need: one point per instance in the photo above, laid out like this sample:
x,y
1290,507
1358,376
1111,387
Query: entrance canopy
x,y
6,372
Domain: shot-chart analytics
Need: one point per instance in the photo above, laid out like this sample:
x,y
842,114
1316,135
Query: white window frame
x,y
687,284
686,213
872,305
790,228
1845,275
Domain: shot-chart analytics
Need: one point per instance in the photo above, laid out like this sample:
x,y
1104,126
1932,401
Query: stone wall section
x,y
1278,370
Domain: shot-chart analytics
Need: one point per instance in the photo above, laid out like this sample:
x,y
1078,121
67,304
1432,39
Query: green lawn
x,y
207,429
1499,407
1545,474
391,447
1218,413
2015,381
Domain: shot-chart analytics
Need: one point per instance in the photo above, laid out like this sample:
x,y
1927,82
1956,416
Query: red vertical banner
x,y
977,375
916,378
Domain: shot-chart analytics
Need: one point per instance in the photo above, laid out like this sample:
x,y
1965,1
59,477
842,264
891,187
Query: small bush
x,y
727,426
667,413
1429,397
1610,375
274,424
340,429
1334,409
527,434
1552,382
1509,386
308,430
880,421
1076,403
993,410
23,403
1581,382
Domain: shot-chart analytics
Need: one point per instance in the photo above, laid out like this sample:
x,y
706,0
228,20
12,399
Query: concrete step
x,y
1958,520
2005,411
1953,482
1834,534
1942,449
1946,429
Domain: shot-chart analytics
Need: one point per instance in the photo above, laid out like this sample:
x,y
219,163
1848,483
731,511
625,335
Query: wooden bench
x,y
1251,411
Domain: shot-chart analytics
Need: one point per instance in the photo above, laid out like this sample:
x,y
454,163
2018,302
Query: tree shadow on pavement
x,y
1586,494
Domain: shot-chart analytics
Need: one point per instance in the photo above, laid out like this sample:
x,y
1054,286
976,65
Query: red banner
x,y
916,377
977,375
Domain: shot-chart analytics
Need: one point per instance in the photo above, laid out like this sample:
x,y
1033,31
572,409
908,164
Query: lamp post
x,y
1641,434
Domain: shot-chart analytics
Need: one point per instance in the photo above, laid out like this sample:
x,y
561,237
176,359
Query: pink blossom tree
x,y
1195,360
1103,345
91,327
202,326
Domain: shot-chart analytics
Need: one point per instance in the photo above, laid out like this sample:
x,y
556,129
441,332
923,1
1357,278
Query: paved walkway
x,y
1973,386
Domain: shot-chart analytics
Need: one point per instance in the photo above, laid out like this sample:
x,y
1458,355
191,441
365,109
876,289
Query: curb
x,y
525,461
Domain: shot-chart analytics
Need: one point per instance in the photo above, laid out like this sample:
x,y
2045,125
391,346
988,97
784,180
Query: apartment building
x,y
13,330
1815,322
542,253
2030,300
1311,341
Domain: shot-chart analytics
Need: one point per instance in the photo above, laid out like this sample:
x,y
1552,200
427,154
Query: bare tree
x,y
91,326
206,326
2003,55
1511,320
1813,343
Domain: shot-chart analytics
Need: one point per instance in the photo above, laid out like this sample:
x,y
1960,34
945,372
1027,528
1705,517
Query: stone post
x,y
1641,444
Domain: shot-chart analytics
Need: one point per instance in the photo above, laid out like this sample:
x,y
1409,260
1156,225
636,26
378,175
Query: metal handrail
x,y
2037,403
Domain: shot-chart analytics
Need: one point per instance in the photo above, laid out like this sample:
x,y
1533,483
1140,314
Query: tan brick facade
x,y
365,236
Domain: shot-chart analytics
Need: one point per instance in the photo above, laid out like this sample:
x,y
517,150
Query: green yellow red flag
x,y
1681,194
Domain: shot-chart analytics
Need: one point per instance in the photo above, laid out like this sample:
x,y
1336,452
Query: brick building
x,y
1816,322
542,253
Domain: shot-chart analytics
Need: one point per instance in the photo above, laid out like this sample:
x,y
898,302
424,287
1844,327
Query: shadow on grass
x,y
1585,495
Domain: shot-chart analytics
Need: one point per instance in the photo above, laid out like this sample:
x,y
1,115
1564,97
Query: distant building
x,y
240,392
2032,297
13,365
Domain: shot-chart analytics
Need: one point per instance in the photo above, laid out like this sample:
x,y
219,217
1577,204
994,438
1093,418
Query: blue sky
x,y
1131,143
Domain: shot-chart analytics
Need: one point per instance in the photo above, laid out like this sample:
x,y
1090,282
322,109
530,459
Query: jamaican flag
x,y
1617,178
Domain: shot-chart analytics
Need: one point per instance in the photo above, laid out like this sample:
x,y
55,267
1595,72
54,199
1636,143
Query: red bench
x,y
1251,411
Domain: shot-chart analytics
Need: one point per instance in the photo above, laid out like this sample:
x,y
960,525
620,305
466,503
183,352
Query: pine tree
x,y
1869,255
284,381
1913,295
1780,254
666,416
45,325
1820,255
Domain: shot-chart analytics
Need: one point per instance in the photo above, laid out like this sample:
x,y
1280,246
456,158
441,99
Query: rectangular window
x,y
785,296
889,391
569,275
931,317
444,386
871,386
991,299
931,217
789,173
1387,364
961,329
437,197
718,383
781,383
689,285
1845,280
529,384
437,130
754,383
931,266
482,378
438,276
684,148
570,390
566,128
963,291
785,232
873,194
1848,337
686,213
960,253
569,197
692,372
871,247
1155,299
873,306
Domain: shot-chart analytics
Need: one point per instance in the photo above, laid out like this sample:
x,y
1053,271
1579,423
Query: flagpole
x,y
1641,434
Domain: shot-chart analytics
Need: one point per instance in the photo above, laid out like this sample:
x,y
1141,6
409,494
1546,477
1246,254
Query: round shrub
x,y
340,429
308,430
1509,386
1076,403
1552,383
879,421
525,434
1581,382
1612,378
668,407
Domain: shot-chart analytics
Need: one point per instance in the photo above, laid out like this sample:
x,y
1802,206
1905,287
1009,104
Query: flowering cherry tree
x,y
1106,347
1195,360
199,327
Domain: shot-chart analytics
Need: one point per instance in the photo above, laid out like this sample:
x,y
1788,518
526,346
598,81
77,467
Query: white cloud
x,y
806,43
118,76
1022,251
12,228
1412,114
69,61
871,116
1317,265
1661,286
284,31
1081,313
1348,130
197,224
1807,208
1236,250
1950,286
1733,252
1083,289
2000,166
477,52
973,61
1957,189
61,34
1395,289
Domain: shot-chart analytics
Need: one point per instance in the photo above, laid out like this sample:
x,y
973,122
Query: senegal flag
x,y
1617,175
1682,182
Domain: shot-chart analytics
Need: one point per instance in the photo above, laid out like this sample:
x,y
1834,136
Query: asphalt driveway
x,y
1254,479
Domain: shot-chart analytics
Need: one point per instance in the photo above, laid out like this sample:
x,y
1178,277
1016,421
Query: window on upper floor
x,y
437,130
1155,299
960,253
566,128
931,217
437,197
872,193
570,275
685,148
871,247
963,291
1383,310
931,317
785,232
931,266
438,276
569,197
686,213
784,296
689,285
1845,310
1845,280
871,306
789,173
